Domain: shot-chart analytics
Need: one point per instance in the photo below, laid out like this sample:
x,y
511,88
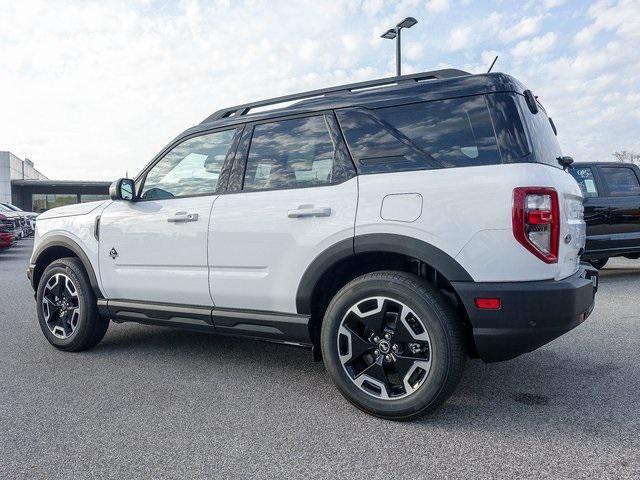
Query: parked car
x,y
396,227
30,216
20,221
611,209
7,232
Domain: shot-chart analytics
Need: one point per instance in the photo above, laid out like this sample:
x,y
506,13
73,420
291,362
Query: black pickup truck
x,y
611,209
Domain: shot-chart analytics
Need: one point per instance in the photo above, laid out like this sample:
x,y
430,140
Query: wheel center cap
x,y
384,346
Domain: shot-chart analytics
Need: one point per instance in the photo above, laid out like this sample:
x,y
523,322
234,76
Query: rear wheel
x,y
67,309
599,263
393,345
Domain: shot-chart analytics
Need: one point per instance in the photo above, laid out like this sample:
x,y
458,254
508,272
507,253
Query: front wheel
x,y
393,345
67,309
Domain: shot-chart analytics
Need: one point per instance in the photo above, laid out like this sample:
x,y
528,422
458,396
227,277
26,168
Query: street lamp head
x,y
389,34
407,22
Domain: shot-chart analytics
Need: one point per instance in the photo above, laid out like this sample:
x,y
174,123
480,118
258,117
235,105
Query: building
x,y
24,186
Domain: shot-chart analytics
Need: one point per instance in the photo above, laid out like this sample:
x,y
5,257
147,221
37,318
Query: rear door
x,y
292,194
154,249
596,205
622,189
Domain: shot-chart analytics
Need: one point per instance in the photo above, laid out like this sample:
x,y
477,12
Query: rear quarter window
x,y
446,133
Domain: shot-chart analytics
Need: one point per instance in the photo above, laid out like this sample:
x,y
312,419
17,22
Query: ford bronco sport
x,y
396,227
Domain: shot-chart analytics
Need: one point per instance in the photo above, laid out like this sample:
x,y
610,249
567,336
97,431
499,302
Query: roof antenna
x,y
492,64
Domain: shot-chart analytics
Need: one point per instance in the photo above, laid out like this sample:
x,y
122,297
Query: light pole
x,y
395,33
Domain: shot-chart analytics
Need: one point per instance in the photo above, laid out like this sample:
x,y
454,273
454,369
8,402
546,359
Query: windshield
x,y
10,207
543,142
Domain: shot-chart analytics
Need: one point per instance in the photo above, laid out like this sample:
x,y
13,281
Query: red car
x,y
7,232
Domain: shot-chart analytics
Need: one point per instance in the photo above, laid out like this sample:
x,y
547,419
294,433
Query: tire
x,y
599,263
71,324
424,369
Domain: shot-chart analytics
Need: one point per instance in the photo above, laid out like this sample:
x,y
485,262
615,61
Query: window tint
x,y
290,154
456,132
620,181
508,127
451,133
191,168
584,177
378,148
543,141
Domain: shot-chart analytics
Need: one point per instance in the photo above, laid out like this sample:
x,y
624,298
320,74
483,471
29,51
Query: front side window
x,y
620,181
292,153
584,177
190,168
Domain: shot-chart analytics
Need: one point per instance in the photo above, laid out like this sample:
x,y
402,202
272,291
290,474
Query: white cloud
x,y
493,22
526,27
413,51
549,4
622,17
437,5
460,38
535,46
90,89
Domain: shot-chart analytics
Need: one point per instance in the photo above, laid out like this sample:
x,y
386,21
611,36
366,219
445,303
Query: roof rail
x,y
244,109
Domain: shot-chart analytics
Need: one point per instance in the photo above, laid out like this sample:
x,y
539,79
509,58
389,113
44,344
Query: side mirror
x,y
122,189
565,162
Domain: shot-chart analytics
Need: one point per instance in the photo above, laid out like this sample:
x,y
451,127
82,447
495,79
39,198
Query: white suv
x,y
395,227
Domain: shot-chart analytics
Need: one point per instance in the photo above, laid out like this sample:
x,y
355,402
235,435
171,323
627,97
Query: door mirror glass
x,y
122,189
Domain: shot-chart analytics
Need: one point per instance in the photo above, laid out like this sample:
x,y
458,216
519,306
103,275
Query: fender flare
x,y
375,242
66,242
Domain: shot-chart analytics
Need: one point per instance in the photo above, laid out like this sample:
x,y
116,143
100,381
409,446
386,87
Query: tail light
x,y
536,221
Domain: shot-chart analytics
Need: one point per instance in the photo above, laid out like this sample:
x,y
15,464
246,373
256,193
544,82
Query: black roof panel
x,y
425,86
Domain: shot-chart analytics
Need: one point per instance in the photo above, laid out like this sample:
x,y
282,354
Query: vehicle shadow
x,y
619,272
542,387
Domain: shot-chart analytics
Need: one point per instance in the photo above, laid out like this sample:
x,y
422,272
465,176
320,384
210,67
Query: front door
x,y
298,198
154,249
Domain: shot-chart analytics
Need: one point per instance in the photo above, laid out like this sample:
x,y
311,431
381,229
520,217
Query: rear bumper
x,y
531,314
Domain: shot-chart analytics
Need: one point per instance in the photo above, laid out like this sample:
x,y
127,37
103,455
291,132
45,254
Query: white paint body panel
x,y
79,228
258,254
246,252
401,207
467,213
72,210
158,261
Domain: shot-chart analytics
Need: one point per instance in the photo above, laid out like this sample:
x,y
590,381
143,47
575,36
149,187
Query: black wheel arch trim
x,y
66,242
375,242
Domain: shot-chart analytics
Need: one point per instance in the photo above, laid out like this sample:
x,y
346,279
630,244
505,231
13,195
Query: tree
x,y
626,156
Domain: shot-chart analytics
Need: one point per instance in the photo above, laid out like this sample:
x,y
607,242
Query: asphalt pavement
x,y
153,402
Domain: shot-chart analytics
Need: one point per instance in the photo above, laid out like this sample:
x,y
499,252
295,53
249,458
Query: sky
x,y
91,90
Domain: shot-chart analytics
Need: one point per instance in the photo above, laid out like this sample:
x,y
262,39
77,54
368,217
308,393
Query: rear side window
x,y
376,147
620,181
455,132
584,177
290,154
445,133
